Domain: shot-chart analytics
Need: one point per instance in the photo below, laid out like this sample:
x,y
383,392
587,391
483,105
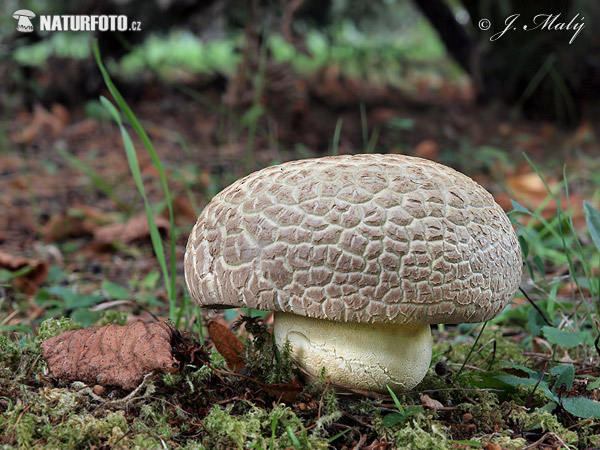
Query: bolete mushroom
x,y
357,255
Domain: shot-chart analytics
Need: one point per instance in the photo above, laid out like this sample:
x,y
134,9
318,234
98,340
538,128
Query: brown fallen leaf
x,y
430,403
30,281
490,446
285,392
43,122
134,228
112,355
227,344
183,210
79,220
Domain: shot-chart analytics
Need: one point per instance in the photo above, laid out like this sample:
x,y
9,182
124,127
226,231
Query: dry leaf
x,y
227,344
430,403
28,282
286,392
490,446
184,211
112,355
134,228
77,221
43,122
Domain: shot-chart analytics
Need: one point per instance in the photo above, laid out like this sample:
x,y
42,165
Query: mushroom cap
x,y
23,12
362,238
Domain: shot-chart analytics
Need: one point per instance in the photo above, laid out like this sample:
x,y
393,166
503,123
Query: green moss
x,y
505,350
487,413
544,420
79,431
26,428
258,428
10,354
330,413
155,419
414,437
506,443
262,355
53,327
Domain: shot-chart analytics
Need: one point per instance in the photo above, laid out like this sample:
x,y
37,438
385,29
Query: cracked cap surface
x,y
362,238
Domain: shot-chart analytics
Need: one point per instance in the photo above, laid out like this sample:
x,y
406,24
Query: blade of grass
x,y
566,248
336,137
471,350
396,401
339,435
137,177
364,126
163,180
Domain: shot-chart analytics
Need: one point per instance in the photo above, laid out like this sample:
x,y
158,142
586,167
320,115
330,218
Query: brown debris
x,y
430,403
134,228
285,392
43,122
112,355
227,344
30,281
80,220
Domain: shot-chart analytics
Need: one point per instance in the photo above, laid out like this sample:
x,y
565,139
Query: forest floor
x,y
74,243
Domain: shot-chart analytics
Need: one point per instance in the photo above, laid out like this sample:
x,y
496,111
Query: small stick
x,y
537,308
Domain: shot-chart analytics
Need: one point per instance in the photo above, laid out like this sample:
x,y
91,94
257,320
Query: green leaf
x,y
594,384
523,368
592,218
566,375
567,339
582,407
150,280
535,322
115,291
292,436
86,317
393,419
513,380
537,261
18,328
518,208
396,401
339,435
469,443
524,246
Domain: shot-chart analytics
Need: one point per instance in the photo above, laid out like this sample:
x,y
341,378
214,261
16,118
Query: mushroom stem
x,y
358,355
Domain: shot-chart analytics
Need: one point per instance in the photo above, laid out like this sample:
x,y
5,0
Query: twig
x,y
530,398
33,366
12,432
537,308
323,396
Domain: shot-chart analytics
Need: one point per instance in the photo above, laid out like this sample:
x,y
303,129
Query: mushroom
x,y
357,256
24,17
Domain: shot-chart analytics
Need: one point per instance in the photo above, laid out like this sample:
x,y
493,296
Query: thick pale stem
x,y
358,355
